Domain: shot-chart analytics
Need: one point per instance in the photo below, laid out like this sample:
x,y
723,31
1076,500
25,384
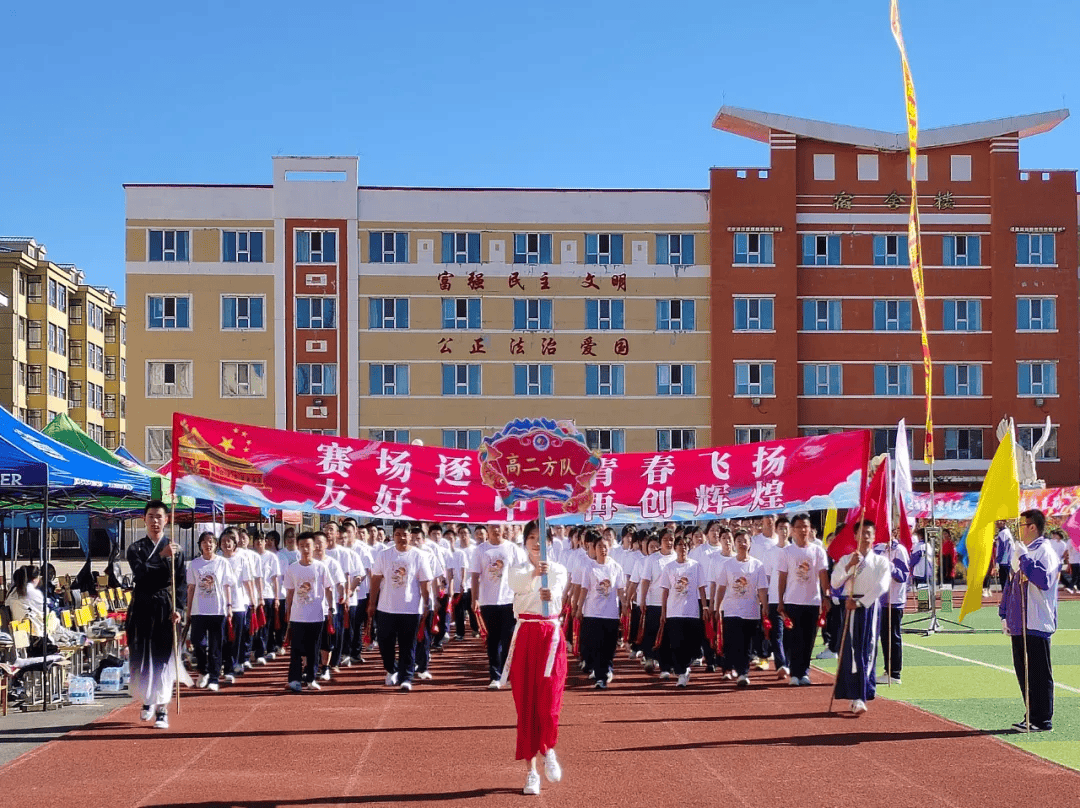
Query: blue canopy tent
x,y
23,478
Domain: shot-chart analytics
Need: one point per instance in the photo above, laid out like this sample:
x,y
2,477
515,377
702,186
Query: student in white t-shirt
x,y
211,588
309,595
714,565
774,562
287,554
802,579
491,563
460,561
425,634
271,577
352,569
336,613
742,598
358,601
247,638
653,594
647,544
601,596
400,598
245,595
684,601
445,591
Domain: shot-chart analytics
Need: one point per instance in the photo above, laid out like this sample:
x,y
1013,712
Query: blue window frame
x,y
1036,314
604,380
461,438
961,251
532,248
388,312
822,315
316,246
1036,378
675,248
892,315
821,250
534,380
242,246
604,248
388,380
316,379
754,379
962,380
388,248
169,245
674,315
168,312
389,435
892,380
1035,248
890,251
315,312
461,248
753,248
461,380
823,380
962,315
606,440
532,314
675,380
753,314
461,313
604,315
241,313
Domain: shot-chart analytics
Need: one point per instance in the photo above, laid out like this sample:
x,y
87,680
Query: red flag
x,y
875,507
905,528
577,636
229,629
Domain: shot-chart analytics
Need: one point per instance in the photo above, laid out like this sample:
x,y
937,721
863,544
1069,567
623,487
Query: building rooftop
x,y
756,125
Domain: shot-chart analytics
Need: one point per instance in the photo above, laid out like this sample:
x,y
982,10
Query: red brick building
x,y
813,313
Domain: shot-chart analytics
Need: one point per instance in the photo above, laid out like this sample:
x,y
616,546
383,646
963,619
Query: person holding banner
x,y
603,588
1028,612
536,664
158,569
741,598
864,575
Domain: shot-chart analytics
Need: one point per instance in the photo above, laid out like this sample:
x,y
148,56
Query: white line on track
x,y
983,664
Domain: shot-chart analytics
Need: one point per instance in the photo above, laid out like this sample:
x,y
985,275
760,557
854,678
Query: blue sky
x,y
591,93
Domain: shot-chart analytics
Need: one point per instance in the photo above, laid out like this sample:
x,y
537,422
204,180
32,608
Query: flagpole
x,y
172,603
542,514
1023,634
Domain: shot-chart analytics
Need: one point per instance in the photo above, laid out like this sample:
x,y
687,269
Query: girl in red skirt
x,y
536,663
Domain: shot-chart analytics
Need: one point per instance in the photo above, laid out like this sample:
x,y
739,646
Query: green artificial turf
x,y
983,697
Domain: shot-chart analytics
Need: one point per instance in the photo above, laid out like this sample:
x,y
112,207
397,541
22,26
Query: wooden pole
x,y
172,602
542,513
840,656
1023,634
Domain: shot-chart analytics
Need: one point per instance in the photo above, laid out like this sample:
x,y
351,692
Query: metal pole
x,y
542,512
172,604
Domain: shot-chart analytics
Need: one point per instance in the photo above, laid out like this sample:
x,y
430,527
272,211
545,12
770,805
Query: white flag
x,y
902,478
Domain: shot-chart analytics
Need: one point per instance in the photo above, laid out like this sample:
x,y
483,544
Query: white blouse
x,y
526,588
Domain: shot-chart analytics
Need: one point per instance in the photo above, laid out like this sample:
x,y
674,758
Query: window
x,y
892,315
1037,378
534,380
960,251
606,440
97,357
110,368
823,380
825,167
675,380
1028,436
158,444
754,379
604,315
532,315
243,379
818,431
675,248
754,434
821,250
388,248
163,312
242,246
123,407
168,379
53,387
960,171
461,248
110,405
33,378
532,248
74,394
110,440
61,341
315,312
75,312
753,314
963,380
33,293
332,433
867,167
1035,248
389,435
316,246
1036,314
316,379
604,380
33,334
52,292
388,312
123,369
962,315
890,251
464,313
822,315
461,380
75,353
753,248
963,444
461,438
670,439
96,396
674,315
603,248
241,313
23,329
892,380
922,165
389,380
885,441
110,331
52,338
169,245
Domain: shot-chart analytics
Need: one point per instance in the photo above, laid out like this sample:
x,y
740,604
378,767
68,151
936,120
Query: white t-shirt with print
x,y
802,565
602,583
402,573
269,570
493,563
741,581
211,578
308,585
682,582
652,572
241,570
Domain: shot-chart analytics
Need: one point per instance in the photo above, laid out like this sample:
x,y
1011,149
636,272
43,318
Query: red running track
x,y
450,742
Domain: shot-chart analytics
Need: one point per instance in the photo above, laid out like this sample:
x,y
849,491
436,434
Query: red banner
x,y
272,468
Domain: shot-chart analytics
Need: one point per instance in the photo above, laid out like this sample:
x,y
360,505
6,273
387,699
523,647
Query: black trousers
x,y
463,607
635,623
500,628
800,638
443,607
423,643
835,624
602,635
1003,574
892,646
738,638
397,637
661,655
304,650
684,635
1041,680
359,624
776,637
207,633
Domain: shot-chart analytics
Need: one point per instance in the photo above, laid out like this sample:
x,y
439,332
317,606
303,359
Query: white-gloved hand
x,y
1014,561
1004,626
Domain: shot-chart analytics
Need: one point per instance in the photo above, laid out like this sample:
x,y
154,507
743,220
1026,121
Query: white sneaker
x,y
260,661
826,654
804,681
744,681
247,665
406,686
783,672
552,769
858,706
638,654
325,675
204,680
390,680
314,686
684,679
532,784
610,676
228,678
147,712
212,687
162,721
665,674
272,655
495,684
425,675
893,680
295,687
794,681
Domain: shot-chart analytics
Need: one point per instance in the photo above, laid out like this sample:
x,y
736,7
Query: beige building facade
x,y
427,314
67,344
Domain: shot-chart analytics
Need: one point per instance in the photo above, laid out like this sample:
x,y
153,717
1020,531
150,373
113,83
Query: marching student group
x,y
734,595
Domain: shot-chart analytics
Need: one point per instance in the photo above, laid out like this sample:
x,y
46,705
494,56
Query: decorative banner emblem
x,y
540,459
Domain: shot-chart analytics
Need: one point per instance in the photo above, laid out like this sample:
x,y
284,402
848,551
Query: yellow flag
x,y
830,524
998,499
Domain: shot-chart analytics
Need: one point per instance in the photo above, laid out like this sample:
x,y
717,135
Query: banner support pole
x,y
542,520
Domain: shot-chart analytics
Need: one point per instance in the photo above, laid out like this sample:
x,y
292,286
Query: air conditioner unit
x,y
317,412
316,345
315,280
